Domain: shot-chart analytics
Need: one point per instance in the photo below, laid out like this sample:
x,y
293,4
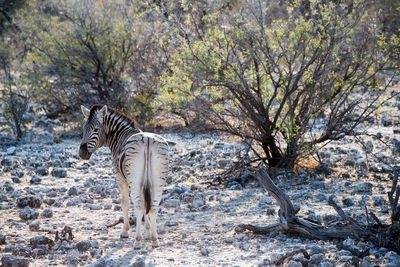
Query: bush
x,y
13,94
86,52
284,77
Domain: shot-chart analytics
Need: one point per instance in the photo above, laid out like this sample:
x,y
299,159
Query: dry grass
x,y
306,163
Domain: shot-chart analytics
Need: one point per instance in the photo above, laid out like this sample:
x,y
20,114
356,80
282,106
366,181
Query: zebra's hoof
x,y
137,245
155,243
124,235
147,236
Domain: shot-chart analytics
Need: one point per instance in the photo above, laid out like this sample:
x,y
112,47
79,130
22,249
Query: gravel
x,y
198,220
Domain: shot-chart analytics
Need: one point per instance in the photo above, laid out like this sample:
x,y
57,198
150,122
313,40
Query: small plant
x,y
14,102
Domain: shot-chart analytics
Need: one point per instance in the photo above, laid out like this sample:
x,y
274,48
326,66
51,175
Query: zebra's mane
x,y
97,107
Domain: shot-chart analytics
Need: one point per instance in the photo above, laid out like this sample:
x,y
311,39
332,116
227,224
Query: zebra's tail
x,y
147,181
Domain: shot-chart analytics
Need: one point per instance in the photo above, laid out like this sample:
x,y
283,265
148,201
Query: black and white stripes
x,y
140,160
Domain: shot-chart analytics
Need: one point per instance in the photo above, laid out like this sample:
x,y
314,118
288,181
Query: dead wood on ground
x,y
377,233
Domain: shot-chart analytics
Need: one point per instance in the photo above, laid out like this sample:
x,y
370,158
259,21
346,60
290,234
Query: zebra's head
x,y
93,131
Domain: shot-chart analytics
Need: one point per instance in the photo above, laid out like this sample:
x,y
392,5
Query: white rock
x,y
11,150
204,251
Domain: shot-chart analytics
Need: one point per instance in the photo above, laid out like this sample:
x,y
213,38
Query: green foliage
x,y
7,10
85,52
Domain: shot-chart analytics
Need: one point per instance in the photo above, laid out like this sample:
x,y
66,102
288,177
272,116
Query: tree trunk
x,y
271,151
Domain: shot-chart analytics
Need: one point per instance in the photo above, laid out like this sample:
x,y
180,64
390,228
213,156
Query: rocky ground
x,y
45,187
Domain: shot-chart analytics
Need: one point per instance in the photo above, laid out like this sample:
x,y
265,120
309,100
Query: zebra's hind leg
x,y
147,226
138,235
125,202
153,227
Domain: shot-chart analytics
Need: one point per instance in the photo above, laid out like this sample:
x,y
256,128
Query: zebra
x,y
140,160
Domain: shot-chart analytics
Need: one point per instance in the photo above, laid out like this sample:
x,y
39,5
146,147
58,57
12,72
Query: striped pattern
x,y
140,160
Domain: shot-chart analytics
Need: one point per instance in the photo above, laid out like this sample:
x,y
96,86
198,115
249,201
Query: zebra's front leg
x,y
125,203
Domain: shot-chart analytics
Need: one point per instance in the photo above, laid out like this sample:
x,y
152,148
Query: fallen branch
x,y
379,234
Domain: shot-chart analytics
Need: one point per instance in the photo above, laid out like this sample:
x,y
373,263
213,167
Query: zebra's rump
x,y
143,161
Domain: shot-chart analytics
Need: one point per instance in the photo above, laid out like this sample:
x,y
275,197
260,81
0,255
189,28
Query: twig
x,y
121,220
291,254
132,221
261,229
340,211
366,214
376,219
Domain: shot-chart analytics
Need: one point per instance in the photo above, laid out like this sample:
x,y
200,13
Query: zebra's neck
x,y
117,129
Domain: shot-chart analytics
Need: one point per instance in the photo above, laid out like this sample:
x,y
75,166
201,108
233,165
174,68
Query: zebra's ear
x,y
85,111
103,112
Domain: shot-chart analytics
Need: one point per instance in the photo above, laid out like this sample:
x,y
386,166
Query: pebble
x,y
2,239
73,191
320,197
229,240
205,251
34,226
172,203
47,213
28,214
316,258
32,202
14,261
42,171
236,186
293,263
35,180
318,185
396,146
11,150
7,188
245,246
274,258
19,173
222,163
49,201
348,202
72,260
84,245
16,180
38,241
93,206
59,173
139,263
96,253
378,200
51,193
364,187
315,249
342,253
